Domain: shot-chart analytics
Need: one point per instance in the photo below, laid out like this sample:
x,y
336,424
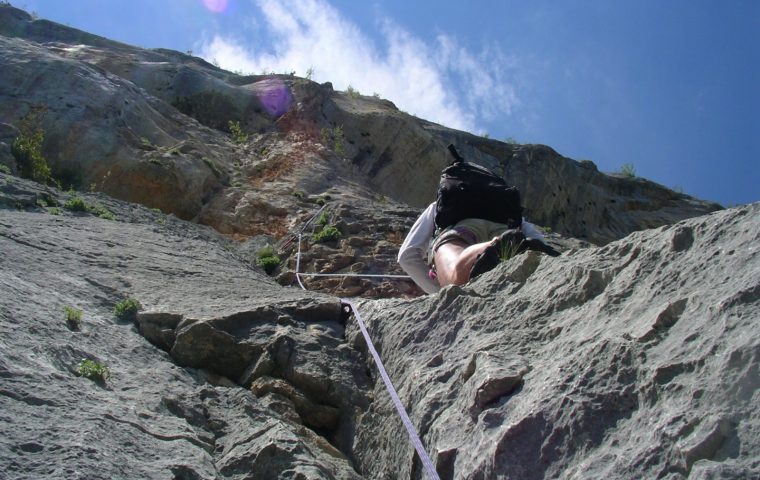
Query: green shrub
x,y
627,170
93,370
333,136
127,309
299,194
73,317
323,219
338,139
269,264
352,92
107,215
5,169
54,210
76,204
322,199
327,234
27,147
101,212
238,135
267,259
49,200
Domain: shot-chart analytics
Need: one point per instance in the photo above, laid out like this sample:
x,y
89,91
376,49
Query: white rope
x,y
280,247
353,275
411,431
298,262
415,439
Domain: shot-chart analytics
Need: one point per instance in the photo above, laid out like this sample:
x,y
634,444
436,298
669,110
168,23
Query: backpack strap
x,y
457,158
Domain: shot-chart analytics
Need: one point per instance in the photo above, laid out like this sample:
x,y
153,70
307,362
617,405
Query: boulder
x,y
633,360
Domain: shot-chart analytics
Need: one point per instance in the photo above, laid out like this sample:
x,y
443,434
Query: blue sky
x,y
671,87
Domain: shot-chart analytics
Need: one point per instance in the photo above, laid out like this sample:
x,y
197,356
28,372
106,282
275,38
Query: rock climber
x,y
462,251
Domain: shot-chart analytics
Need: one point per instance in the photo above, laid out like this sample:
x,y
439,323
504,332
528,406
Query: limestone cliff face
x,y
634,358
113,108
173,410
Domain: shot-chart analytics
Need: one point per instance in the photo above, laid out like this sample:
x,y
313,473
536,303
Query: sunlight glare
x,y
274,96
216,6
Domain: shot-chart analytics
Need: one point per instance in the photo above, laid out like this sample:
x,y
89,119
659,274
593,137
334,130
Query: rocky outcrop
x,y
402,157
634,360
125,110
270,389
105,133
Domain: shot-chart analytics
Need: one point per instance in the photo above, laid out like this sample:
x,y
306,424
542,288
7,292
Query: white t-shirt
x,y
411,255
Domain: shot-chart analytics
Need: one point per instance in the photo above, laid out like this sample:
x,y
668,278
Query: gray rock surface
x,y
105,132
634,360
637,359
153,418
111,108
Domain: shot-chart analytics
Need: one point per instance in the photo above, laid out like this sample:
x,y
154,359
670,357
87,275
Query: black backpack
x,y
468,190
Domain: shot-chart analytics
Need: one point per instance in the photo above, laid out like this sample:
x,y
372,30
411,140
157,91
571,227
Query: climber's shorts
x,y
469,231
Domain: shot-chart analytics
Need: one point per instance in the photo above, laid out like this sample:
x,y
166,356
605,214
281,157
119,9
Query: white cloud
x,y
442,82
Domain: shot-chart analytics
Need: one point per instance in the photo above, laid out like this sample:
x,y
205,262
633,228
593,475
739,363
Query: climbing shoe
x,y
510,243
485,261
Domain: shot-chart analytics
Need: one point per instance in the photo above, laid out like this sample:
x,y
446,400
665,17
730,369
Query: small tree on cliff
x,y
27,147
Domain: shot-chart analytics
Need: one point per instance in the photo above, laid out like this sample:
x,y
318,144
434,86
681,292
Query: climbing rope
x,y
368,275
415,439
290,238
413,436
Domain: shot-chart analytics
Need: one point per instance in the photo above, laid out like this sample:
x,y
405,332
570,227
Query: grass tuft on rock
x,y
73,318
627,170
239,135
95,371
78,204
267,260
327,234
127,309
